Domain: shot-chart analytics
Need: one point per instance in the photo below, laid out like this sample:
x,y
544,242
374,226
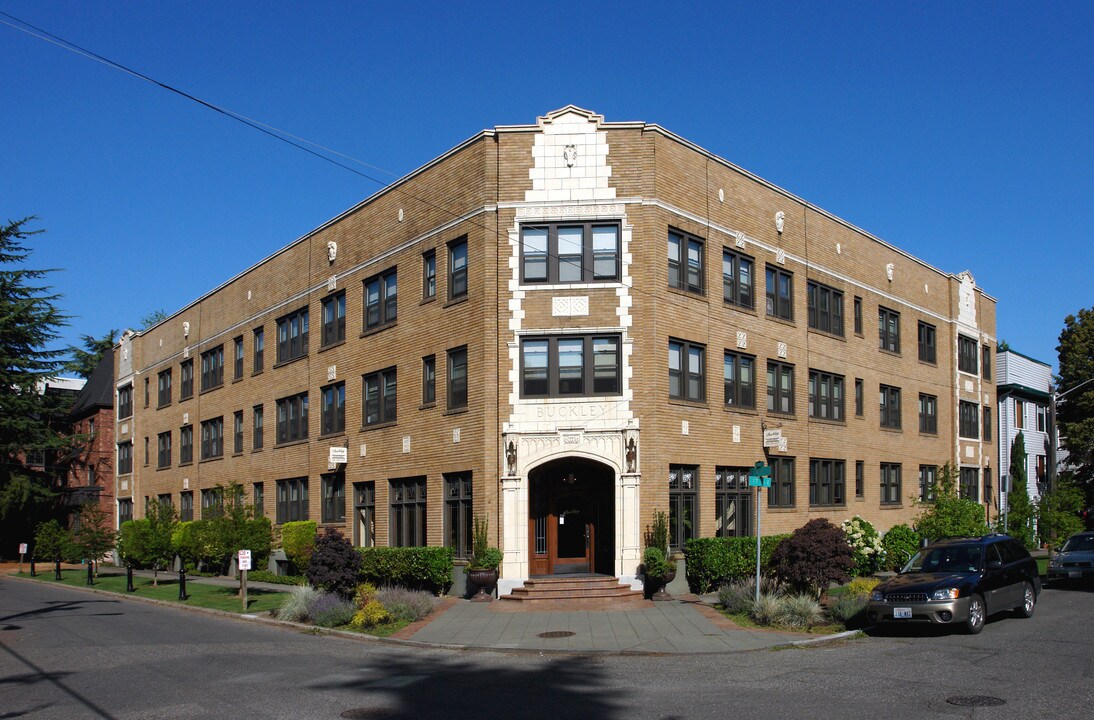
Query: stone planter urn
x,y
484,578
657,585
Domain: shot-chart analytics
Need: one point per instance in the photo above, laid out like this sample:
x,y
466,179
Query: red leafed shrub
x,y
813,557
334,565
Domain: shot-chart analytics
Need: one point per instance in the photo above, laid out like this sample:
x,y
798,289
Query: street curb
x,y
827,638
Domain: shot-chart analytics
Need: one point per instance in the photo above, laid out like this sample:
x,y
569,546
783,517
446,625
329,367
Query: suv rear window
x,y
948,558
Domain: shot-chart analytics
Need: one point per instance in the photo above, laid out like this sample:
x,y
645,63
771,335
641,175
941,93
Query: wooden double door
x,y
571,525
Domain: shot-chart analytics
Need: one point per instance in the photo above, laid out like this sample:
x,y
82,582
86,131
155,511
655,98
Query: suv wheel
x,y
1029,601
974,623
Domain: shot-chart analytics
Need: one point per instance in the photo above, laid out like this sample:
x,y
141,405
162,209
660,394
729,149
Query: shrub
x,y
865,545
949,515
329,609
767,611
404,604
298,542
654,564
295,606
849,609
369,615
899,544
483,555
800,611
365,593
334,565
813,557
657,535
862,587
186,541
419,568
713,562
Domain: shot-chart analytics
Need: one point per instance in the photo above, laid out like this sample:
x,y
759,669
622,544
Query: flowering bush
x,y
865,545
900,543
372,613
405,604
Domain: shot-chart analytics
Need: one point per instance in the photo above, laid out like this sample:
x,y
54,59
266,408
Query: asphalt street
x,y
66,653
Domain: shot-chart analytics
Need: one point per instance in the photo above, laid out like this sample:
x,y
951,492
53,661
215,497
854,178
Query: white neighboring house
x,y
1024,389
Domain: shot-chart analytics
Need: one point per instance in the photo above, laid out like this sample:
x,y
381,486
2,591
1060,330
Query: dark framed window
x,y
457,268
380,397
458,525
429,379
890,483
737,279
860,478
407,517
334,498
826,483
570,365
212,502
780,387
258,350
687,371
186,444
125,402
292,336
889,402
860,403
381,299
825,306
1019,414
928,343
212,438
125,458
163,449
987,482
985,363
146,392
457,378
237,358
739,374
683,504
780,293
259,498
686,262
334,319
732,502
429,274
559,253
364,505
186,506
212,368
186,379
1040,469
292,500
257,434
928,479
928,414
969,420
164,384
858,315
888,329
147,453
967,355
986,430
334,409
237,431
825,395
292,418
969,483
781,492
125,510
1042,414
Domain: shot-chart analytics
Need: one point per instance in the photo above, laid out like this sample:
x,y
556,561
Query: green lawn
x,y
198,594
1042,566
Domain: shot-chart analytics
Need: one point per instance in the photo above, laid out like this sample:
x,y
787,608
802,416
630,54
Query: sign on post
x,y
22,548
772,438
338,455
759,476
244,560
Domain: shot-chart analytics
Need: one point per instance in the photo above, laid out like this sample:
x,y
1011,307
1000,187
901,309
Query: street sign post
x,y
243,560
22,552
759,476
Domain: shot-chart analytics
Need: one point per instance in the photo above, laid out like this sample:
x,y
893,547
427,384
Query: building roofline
x,y
1027,357
1019,389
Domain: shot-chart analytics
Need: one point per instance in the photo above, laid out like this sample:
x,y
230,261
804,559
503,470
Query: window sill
x,y
825,333
826,508
256,373
427,406
188,397
782,416
781,508
332,435
782,320
427,300
290,361
379,426
331,346
238,453
378,328
456,301
929,363
828,421
212,459
891,429
695,294
741,409
162,467
164,405
291,443
256,450
456,411
926,433
891,506
751,310
684,402
211,389
894,353
188,463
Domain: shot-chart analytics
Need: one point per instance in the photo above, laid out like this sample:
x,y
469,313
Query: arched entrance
x,y
571,523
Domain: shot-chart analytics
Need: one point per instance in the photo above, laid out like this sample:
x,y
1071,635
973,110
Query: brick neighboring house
x,y
90,469
529,328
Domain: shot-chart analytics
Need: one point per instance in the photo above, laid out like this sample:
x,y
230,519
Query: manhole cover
x,y
556,634
366,713
975,700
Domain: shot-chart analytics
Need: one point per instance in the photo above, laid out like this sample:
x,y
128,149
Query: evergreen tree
x,y
1020,511
93,536
1075,384
85,359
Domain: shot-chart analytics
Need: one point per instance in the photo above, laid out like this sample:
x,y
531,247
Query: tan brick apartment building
x,y
565,327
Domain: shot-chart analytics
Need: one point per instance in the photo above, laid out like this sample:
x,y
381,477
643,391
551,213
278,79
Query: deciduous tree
x,y
1075,386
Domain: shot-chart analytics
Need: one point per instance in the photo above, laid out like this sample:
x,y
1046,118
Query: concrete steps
x,y
595,590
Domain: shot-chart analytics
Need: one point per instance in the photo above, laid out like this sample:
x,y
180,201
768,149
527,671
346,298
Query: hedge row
x,y
418,568
713,562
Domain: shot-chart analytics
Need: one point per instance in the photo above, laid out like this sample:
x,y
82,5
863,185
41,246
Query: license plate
x,y
1075,573
902,613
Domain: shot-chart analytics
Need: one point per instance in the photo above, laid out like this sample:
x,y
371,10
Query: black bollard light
x,y
182,583
90,575
57,571
32,573
128,577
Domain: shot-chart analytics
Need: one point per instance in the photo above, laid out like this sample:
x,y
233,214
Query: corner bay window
x,y
125,402
125,458
928,414
212,368
967,355
292,500
685,262
888,329
739,374
334,409
380,397
780,387
186,379
825,395
407,520
212,438
334,319
186,444
927,342
258,351
381,299
737,279
457,378
780,293
558,253
292,418
292,336
687,371
969,420
825,308
570,365
457,269
683,501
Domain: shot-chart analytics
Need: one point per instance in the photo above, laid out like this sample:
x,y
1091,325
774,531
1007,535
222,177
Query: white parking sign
x,y
244,560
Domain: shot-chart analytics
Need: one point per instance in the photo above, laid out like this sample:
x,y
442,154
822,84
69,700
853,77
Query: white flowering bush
x,y
865,542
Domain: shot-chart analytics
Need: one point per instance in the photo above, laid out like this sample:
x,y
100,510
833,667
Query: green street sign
x,y
759,476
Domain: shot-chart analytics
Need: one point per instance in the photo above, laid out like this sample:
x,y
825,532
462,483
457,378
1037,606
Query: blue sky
x,y
960,133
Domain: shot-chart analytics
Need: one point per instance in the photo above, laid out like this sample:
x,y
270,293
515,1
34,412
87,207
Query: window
x,y
364,503
825,308
1019,414
429,380
569,253
860,403
825,395
858,315
212,438
237,432
212,503
458,525
186,506
292,500
259,491
970,483
259,350
687,371
292,336
987,424
186,378
457,269
780,293
737,279
237,358
732,502
985,364
334,498
125,511
890,407
928,414
429,274
570,365
860,478
257,438
987,483
334,319
1042,412
888,329
125,402
457,378
186,444
407,512
685,262
781,492
381,299
969,420
91,478
334,409
928,478
927,342
292,418
966,354
380,397
739,373
146,392
780,387
164,384
683,500
1041,469
826,483
890,483
163,449
212,368
125,458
